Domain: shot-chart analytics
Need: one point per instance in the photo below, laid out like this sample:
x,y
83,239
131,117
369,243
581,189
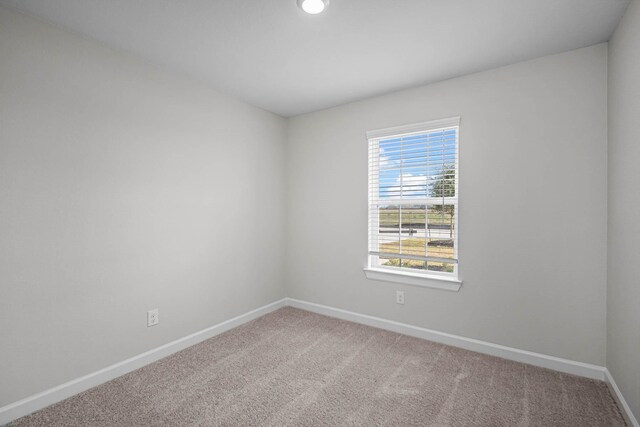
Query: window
x,y
413,202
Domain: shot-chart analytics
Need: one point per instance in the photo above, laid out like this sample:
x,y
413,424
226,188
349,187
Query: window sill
x,y
414,279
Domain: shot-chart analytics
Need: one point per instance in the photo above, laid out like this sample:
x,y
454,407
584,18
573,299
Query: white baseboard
x,y
38,401
529,357
620,398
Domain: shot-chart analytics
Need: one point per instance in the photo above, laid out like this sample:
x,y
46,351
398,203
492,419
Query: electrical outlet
x,y
400,297
153,317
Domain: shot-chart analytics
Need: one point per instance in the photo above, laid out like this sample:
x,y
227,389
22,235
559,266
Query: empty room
x,y
320,213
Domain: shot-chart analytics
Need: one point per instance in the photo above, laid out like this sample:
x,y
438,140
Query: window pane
x,y
446,267
441,222
442,179
414,264
388,229
390,262
414,183
440,248
413,241
389,185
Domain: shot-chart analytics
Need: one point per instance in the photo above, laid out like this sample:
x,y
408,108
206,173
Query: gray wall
x,y
623,296
533,147
123,188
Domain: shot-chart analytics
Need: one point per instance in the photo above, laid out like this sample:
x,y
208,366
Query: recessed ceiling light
x,y
313,6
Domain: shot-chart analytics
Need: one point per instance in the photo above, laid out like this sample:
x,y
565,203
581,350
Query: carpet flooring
x,y
292,367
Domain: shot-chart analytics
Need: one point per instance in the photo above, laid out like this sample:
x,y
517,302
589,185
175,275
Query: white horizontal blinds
x,y
413,198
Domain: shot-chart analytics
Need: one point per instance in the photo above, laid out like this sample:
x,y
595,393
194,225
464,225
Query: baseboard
x,y
529,357
38,401
626,409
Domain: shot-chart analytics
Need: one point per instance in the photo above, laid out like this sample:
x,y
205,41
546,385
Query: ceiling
x,y
272,55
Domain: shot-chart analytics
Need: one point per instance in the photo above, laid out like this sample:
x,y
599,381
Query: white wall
x,y
123,188
623,296
533,147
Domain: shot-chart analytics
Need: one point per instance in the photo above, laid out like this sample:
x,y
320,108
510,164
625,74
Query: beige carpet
x,y
292,367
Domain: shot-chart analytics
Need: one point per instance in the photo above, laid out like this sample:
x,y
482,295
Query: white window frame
x,y
431,279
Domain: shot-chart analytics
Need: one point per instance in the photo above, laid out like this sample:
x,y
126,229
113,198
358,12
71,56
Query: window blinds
x,y
413,197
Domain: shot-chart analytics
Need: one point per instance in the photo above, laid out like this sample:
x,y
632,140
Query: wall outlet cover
x,y
153,317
